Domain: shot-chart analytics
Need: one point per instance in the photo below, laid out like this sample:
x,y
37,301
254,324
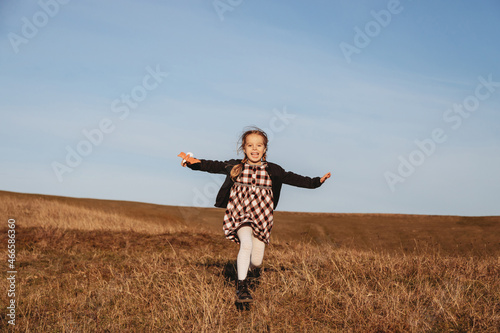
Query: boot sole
x,y
244,301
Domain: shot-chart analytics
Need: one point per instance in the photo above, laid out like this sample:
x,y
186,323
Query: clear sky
x,y
400,100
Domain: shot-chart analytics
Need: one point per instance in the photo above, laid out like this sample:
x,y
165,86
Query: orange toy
x,y
188,158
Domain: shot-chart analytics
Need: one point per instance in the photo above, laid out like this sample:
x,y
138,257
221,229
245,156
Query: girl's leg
x,y
257,256
245,235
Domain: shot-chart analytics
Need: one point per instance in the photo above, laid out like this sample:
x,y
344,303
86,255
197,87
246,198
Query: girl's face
x,y
254,148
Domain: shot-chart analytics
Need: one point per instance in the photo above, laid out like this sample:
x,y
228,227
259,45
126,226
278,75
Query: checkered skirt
x,y
250,201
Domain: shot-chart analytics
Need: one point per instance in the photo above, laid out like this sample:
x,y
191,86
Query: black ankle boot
x,y
242,293
254,273
253,277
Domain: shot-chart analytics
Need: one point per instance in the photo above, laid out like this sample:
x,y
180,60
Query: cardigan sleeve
x,y
294,179
211,166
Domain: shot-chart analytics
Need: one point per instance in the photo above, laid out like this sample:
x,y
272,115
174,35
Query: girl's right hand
x,y
325,177
187,159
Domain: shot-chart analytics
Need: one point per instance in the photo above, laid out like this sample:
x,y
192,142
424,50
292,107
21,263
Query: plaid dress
x,y
250,201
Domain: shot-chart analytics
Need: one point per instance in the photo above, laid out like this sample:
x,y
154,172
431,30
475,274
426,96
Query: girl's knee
x,y
245,246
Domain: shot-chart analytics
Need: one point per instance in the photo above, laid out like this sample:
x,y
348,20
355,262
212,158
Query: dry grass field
x,y
89,265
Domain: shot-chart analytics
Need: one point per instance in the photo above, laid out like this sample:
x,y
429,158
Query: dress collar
x,y
262,166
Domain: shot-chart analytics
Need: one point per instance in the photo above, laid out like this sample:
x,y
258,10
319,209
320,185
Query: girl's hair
x,y
236,171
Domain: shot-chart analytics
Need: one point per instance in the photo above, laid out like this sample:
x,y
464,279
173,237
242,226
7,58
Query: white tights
x,y
251,251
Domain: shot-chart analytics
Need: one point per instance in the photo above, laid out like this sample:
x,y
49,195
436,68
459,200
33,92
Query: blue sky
x,y
407,120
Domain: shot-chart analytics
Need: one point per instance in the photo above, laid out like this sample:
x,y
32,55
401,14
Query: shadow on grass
x,y
228,270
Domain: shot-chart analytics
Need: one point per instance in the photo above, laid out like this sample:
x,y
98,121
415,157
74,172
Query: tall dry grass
x,y
78,279
50,213
88,281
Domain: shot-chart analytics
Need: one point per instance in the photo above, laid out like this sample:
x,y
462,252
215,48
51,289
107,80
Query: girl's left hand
x,y
325,177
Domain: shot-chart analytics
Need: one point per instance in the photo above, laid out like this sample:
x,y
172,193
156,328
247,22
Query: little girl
x,y
250,194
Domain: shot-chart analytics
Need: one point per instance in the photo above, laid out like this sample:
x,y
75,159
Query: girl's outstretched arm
x,y
223,167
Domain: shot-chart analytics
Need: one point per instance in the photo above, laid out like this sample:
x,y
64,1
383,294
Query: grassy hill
x,y
94,265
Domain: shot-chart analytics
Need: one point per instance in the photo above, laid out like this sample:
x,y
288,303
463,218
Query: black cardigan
x,y
278,177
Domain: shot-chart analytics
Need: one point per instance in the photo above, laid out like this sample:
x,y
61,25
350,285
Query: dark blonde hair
x,y
236,171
